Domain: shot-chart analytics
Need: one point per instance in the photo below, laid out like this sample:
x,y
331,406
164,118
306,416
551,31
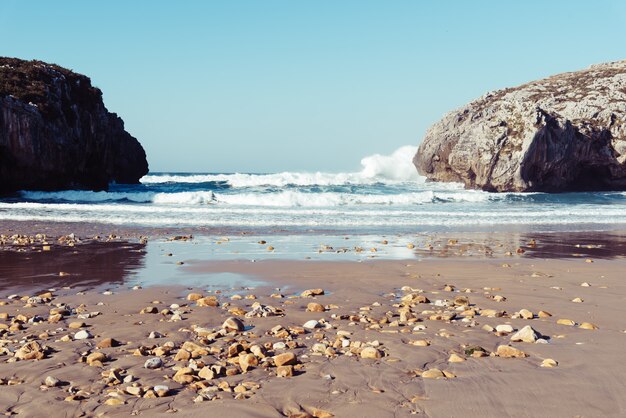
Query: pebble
x,y
315,307
567,322
192,297
96,359
233,324
279,345
51,381
506,351
161,390
433,374
526,334
76,325
312,292
285,359
108,343
371,353
526,314
549,363
134,390
588,325
504,328
577,300
153,363
284,371
455,358
82,335
311,324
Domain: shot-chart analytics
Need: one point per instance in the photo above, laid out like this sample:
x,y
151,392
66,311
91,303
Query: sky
x,y
269,85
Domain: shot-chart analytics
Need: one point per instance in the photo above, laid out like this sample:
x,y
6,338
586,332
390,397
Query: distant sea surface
x,y
385,196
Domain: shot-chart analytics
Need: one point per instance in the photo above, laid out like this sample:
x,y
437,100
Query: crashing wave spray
x,y
377,168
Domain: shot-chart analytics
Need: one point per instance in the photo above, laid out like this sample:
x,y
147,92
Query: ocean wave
x,y
390,169
283,198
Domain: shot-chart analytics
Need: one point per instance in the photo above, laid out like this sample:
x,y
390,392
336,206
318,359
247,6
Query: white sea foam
x,y
394,168
126,214
283,198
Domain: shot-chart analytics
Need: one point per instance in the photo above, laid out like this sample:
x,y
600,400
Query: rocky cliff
x,y
563,133
56,133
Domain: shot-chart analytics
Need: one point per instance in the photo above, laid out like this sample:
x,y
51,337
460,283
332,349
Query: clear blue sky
x,y
261,86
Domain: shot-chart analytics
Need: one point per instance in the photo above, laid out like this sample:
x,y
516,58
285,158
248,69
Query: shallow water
x,y
162,262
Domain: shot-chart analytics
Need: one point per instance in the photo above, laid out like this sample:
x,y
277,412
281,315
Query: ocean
x,y
385,196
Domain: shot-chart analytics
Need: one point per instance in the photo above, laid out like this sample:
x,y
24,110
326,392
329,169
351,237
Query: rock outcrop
x,y
56,133
563,133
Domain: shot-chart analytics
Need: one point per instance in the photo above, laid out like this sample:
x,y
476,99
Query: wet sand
x,y
386,330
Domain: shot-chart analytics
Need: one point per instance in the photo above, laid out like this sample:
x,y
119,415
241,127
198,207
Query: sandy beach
x,y
429,336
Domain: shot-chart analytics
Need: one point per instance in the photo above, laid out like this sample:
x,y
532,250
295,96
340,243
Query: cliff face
x,y
56,133
564,133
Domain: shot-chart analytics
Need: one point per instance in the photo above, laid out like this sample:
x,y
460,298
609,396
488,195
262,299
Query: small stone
x,y
51,381
108,343
588,325
315,307
549,363
247,361
155,334
233,324
206,373
461,301
134,390
312,292
433,374
526,334
312,324
161,390
455,358
285,359
82,335
153,363
585,284
30,351
526,314
567,322
544,314
76,325
371,353
114,402
506,351
240,389
504,328
96,359
192,297
182,355
284,371
149,310
577,300
420,343
210,301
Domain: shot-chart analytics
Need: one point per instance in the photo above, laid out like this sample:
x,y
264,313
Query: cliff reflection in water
x,y
89,265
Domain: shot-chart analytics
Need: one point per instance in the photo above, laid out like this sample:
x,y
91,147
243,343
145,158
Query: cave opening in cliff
x,y
590,178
